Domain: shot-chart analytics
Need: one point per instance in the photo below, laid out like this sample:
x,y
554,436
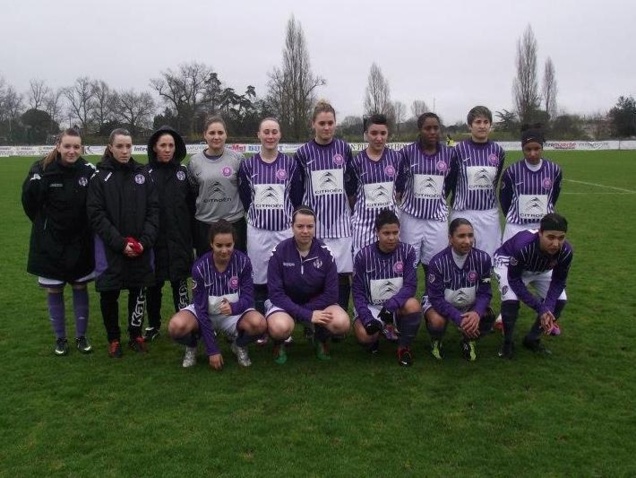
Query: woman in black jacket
x,y
60,251
173,248
123,211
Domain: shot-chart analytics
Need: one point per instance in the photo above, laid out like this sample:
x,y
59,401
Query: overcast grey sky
x,y
451,54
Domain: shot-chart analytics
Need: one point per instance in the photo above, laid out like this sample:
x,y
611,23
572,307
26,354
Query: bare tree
x,y
377,97
38,94
550,89
188,90
418,108
53,104
525,87
103,105
399,110
80,104
135,110
291,88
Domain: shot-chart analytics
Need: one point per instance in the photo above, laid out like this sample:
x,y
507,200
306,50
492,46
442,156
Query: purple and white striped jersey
x,y
452,290
525,195
374,186
325,170
383,279
425,181
269,191
478,167
525,255
210,287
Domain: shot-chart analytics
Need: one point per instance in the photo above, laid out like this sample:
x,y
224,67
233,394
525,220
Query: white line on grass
x,y
628,191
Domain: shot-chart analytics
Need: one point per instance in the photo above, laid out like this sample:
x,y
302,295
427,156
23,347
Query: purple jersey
x,y
525,255
211,286
478,167
325,170
374,186
269,191
525,195
383,279
454,290
301,285
425,181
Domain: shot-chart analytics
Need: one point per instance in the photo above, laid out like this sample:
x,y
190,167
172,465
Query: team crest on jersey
x,y
547,183
398,267
431,278
181,175
493,159
389,170
281,174
82,181
513,261
338,160
227,171
140,179
472,276
504,290
233,283
441,166
317,263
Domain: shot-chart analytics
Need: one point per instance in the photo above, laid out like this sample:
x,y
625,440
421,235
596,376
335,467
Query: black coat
x,y
61,244
173,248
122,202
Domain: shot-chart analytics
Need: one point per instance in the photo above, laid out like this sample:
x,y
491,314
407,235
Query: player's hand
x,y
128,250
470,324
373,327
216,361
225,308
385,316
547,322
320,317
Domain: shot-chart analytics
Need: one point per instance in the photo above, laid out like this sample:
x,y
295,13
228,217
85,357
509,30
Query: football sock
x,y
558,308
408,325
321,333
509,314
154,296
344,290
435,332
189,340
55,302
80,309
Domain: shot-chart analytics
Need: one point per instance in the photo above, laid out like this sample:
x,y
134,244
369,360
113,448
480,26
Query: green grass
x,y
571,414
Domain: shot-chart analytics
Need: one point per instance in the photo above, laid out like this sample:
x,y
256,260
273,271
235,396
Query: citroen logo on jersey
x,y
482,177
493,159
216,189
381,194
535,205
428,185
328,181
441,166
338,160
270,195
461,298
388,289
547,183
472,276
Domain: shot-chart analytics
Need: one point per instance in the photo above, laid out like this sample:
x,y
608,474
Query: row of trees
x,y
184,96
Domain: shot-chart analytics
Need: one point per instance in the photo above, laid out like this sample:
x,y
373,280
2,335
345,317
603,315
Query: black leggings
x,y
109,304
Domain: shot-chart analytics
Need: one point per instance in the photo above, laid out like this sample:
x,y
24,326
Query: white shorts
x,y
486,227
539,280
260,243
511,230
341,250
426,304
428,237
221,323
46,282
375,312
272,309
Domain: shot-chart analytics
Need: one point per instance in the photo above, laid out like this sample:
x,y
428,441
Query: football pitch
x,y
570,414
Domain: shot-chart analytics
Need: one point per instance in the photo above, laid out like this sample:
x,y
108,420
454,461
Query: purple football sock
x,y
80,308
55,301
